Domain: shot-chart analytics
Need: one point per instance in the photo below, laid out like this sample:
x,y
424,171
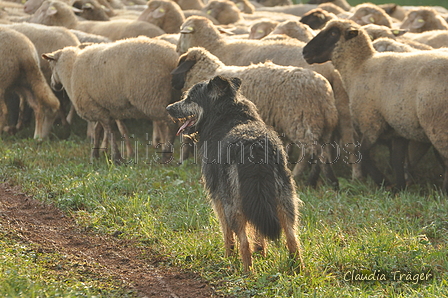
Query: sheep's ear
x,y
236,83
49,57
399,32
52,10
183,67
351,33
77,10
87,6
368,19
187,30
226,31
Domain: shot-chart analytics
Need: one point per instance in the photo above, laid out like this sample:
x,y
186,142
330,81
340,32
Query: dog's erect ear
x,y
218,86
236,83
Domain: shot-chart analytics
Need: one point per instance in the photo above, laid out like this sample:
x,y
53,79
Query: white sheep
x,y
293,29
20,73
125,79
368,13
401,95
423,19
297,102
200,32
55,13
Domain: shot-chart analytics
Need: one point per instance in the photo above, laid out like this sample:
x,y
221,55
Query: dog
x,y
244,166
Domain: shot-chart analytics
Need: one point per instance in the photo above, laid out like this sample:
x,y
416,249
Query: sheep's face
x,y
316,18
320,48
52,59
416,20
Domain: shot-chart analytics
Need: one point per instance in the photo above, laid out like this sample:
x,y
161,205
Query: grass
x,y
360,231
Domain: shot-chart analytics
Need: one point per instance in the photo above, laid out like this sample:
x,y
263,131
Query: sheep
x,y
165,14
297,102
341,3
260,29
190,4
423,19
435,38
369,13
382,97
296,9
200,32
294,29
125,79
21,74
332,8
84,37
55,13
394,10
92,10
272,3
378,31
224,11
317,18
31,6
244,6
384,44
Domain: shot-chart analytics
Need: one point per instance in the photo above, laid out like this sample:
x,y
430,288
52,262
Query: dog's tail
x,y
259,198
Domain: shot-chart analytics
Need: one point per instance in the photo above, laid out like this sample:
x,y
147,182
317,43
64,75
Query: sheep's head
x,y
262,28
52,58
317,18
196,31
423,19
225,12
320,48
370,14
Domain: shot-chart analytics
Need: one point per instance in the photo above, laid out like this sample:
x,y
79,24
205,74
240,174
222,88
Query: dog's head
x,y
204,102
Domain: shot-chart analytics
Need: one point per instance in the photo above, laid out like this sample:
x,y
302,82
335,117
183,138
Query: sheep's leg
x,y
369,166
157,134
71,114
98,128
398,153
3,111
327,167
115,152
125,134
21,118
414,153
167,146
314,175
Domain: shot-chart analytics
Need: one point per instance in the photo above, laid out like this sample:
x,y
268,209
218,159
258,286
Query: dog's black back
x,y
243,160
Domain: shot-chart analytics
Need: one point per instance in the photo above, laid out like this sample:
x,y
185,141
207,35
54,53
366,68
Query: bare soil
x,y
53,231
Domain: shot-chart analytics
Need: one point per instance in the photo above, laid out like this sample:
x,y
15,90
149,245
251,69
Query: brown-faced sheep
x,y
260,29
272,3
165,14
297,102
244,6
369,13
55,13
294,29
317,18
394,10
224,11
341,3
200,32
92,10
407,109
21,74
190,4
125,79
295,9
423,19
378,31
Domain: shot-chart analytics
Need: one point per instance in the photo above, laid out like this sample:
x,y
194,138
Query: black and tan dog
x,y
243,166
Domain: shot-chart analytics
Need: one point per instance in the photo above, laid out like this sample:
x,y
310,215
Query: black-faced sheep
x,y
55,13
165,14
317,18
423,19
200,32
297,102
407,109
21,74
125,79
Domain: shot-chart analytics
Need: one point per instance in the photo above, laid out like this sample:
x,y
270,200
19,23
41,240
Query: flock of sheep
x,y
315,71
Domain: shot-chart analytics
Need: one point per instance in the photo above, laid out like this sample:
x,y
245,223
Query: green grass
x,y
358,230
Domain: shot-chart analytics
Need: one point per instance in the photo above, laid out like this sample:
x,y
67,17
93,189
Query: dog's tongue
x,y
187,123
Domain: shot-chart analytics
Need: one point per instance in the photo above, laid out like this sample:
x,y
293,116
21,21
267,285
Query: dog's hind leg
x,y
246,254
292,242
229,239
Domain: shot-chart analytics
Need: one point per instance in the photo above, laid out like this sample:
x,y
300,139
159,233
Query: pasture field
x,y
398,242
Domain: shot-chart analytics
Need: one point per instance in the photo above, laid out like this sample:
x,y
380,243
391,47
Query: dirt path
x,y
51,230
